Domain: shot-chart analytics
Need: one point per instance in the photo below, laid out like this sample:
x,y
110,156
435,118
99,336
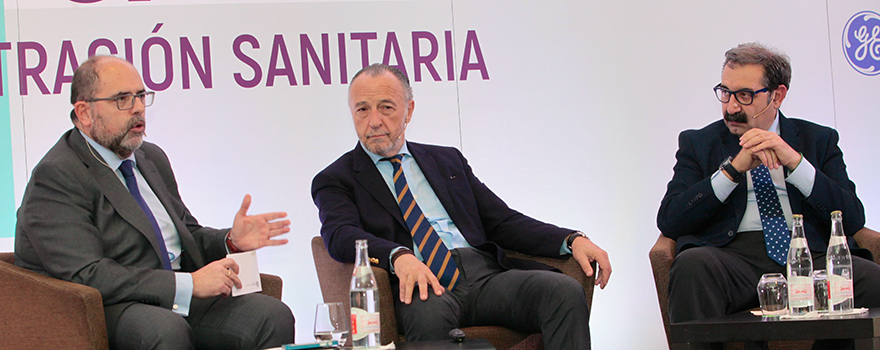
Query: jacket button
x,y
730,233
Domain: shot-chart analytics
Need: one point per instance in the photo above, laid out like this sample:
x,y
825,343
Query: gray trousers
x,y
533,301
252,321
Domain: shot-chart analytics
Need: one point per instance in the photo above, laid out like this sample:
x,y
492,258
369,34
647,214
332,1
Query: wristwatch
x,y
731,170
570,239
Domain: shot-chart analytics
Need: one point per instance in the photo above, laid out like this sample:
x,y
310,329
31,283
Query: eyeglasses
x,y
745,97
126,102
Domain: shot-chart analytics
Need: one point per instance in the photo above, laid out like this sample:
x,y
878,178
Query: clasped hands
x,y
764,147
248,232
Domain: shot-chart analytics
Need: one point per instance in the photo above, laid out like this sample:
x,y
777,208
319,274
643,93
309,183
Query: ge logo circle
x,y
861,42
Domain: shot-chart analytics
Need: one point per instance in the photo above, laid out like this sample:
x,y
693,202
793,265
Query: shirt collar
x,y
110,158
377,158
775,125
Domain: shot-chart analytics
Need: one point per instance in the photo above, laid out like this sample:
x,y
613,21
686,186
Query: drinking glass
x,y
820,287
331,323
773,294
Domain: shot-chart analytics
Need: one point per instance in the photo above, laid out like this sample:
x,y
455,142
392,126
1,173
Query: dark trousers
x,y
252,321
526,301
706,282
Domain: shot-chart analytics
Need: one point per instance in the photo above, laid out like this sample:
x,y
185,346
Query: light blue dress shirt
x,y
426,199
184,282
802,178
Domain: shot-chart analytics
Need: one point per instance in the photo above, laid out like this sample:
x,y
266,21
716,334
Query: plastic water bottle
x,y
839,265
799,270
364,302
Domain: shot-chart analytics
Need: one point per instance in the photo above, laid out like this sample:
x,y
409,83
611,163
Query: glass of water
x,y
773,294
331,323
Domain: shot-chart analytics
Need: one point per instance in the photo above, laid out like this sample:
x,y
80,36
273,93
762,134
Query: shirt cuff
x,y
183,293
803,177
391,266
722,186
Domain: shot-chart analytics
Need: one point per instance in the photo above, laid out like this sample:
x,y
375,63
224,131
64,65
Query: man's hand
x,y
769,148
216,278
410,271
585,252
256,231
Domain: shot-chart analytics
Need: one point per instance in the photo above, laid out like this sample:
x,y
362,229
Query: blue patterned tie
x,y
131,183
436,256
776,236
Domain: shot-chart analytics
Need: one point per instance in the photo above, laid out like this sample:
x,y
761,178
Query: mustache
x,y
738,117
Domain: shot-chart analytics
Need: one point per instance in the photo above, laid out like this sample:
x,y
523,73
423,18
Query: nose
x,y
138,105
732,106
374,119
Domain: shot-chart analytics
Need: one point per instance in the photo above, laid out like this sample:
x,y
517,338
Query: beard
x,y
122,143
738,117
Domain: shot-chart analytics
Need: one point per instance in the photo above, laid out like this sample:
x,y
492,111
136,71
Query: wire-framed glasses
x,y
125,102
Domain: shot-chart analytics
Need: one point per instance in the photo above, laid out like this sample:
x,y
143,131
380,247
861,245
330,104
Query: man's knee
x,y
430,319
150,327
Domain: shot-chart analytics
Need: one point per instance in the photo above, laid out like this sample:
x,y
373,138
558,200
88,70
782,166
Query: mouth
x,y
138,126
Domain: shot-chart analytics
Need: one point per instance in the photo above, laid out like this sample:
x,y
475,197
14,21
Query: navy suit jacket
x,y
691,214
354,202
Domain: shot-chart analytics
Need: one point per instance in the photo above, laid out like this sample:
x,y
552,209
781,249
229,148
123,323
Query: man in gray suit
x,y
102,209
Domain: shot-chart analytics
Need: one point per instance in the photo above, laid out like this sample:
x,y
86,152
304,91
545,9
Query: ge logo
x,y
861,42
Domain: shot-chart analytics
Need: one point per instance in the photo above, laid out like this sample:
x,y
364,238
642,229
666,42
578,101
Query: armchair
x,y
43,312
335,278
663,252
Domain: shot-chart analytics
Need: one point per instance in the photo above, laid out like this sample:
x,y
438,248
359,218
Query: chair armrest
x,y
870,240
271,285
661,256
568,266
388,321
43,312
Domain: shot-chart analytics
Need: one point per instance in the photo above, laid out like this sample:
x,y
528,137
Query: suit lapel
x,y
738,198
789,133
435,176
366,173
113,189
154,179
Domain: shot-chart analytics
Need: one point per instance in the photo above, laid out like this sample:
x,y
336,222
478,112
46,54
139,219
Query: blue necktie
x,y
776,236
436,256
131,183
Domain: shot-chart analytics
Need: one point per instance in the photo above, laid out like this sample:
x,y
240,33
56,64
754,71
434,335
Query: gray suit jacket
x,y
78,222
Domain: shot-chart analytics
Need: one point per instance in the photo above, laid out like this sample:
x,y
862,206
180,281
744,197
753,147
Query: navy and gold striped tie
x,y
436,256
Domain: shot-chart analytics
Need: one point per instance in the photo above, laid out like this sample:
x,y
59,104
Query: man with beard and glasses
x,y
102,209
440,231
710,206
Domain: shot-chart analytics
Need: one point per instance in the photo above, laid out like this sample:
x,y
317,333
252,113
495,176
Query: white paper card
x,y
248,273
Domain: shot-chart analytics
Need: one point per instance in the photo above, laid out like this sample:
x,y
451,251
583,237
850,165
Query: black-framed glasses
x,y
126,102
745,97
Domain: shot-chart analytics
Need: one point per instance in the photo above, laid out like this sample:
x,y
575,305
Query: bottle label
x,y
798,243
840,289
835,240
800,291
363,323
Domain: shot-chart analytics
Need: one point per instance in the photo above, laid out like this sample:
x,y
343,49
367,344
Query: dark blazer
x,y
691,214
354,203
78,222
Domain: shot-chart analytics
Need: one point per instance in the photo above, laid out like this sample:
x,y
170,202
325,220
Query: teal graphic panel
x,y
7,187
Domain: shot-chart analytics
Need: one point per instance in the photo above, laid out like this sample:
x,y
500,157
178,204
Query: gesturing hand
x,y
256,231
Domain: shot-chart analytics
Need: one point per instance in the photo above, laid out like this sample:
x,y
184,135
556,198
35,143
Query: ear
x,y
779,95
411,105
83,113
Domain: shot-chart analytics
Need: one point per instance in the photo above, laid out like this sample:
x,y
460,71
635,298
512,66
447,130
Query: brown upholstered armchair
x,y
40,312
663,252
335,278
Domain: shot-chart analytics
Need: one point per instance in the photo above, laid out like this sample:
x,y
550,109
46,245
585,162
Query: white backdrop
x,y
593,92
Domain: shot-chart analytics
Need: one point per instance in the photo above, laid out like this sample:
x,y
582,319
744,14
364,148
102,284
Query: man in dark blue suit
x,y
710,207
356,199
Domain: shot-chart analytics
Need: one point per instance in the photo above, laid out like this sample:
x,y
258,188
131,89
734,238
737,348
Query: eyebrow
x,y
123,93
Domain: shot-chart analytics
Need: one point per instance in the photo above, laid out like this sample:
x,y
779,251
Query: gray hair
x,y
85,80
776,64
377,69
